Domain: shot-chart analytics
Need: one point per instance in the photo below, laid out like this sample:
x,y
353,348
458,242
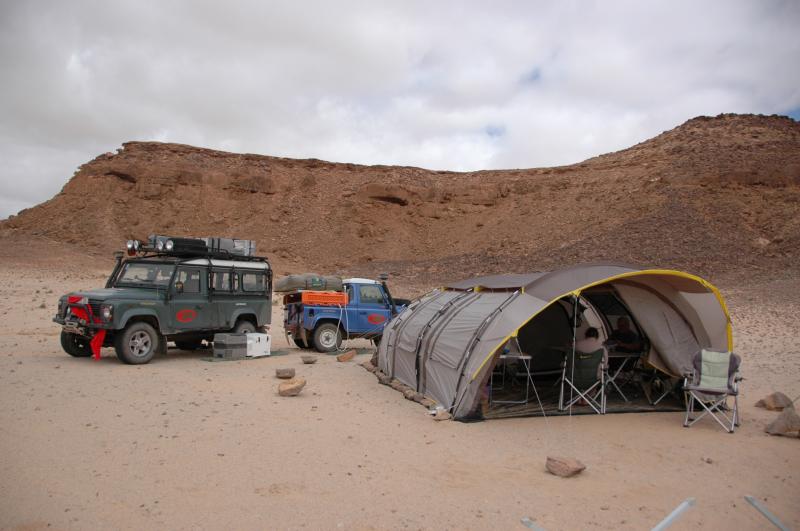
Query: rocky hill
x,y
718,196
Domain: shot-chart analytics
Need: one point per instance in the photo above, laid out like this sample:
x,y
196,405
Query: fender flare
x,y
140,312
245,311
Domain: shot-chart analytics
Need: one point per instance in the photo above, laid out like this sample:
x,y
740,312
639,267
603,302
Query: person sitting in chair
x,y
590,343
627,340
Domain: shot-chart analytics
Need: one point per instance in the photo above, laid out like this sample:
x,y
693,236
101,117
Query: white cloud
x,y
443,85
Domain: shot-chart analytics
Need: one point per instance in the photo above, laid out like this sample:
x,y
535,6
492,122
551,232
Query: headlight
x,y
106,312
169,245
69,311
129,245
160,245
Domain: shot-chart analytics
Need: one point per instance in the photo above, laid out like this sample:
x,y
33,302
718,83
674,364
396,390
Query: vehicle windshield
x,y
145,274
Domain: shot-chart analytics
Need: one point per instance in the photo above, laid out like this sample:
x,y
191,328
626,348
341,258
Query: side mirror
x,y
179,287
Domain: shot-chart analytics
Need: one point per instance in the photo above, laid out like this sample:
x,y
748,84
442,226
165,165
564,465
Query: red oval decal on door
x,y
186,316
376,318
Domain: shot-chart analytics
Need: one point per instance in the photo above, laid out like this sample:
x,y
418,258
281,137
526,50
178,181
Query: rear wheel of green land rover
x,y
244,327
137,344
75,345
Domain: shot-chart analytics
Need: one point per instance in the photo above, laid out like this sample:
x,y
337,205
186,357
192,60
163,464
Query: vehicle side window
x,y
253,282
221,280
370,294
349,290
190,278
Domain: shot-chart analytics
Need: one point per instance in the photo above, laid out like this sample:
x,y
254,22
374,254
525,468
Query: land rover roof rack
x,y
179,247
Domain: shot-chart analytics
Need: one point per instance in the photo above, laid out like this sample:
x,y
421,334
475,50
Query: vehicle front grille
x,y
95,306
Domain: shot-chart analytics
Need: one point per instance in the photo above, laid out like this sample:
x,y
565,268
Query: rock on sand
x,y
774,402
564,466
291,387
787,423
284,374
347,356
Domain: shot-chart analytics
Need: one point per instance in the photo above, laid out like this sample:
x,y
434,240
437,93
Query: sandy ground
x,y
183,443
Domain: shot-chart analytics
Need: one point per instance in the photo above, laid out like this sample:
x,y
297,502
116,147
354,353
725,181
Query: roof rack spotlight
x,y
133,246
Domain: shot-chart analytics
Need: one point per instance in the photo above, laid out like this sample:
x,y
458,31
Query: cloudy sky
x,y
443,85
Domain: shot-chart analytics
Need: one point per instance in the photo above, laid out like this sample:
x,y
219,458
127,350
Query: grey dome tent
x,y
443,343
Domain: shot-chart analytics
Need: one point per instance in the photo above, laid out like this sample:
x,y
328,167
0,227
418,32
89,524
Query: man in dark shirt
x,y
627,340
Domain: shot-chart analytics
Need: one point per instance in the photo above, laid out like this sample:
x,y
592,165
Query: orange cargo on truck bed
x,y
324,298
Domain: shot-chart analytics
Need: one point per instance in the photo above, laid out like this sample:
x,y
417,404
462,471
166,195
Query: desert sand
x,y
184,443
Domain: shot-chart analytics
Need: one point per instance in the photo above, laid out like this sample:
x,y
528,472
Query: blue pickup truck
x,y
323,326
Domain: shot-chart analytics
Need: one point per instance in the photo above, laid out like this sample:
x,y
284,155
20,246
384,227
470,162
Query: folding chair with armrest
x,y
714,378
580,372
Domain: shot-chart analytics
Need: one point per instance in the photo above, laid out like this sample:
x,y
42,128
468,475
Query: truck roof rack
x,y
177,247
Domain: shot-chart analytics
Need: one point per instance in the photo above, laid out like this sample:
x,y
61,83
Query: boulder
x,y
397,385
774,402
787,423
308,359
374,359
383,378
414,396
369,366
347,356
291,387
564,466
284,374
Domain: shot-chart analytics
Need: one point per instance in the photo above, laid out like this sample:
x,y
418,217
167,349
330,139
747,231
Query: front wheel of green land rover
x,y
137,344
75,345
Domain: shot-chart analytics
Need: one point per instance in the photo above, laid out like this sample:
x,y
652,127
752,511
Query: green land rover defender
x,y
172,289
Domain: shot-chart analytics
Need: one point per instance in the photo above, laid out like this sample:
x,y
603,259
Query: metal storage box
x,y
230,346
258,345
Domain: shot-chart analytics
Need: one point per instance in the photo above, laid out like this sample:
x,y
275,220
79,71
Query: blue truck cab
x,y
323,326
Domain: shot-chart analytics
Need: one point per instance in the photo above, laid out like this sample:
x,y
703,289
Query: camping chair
x,y
715,377
580,373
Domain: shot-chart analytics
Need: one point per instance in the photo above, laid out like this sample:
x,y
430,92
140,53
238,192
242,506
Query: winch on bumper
x,y
90,319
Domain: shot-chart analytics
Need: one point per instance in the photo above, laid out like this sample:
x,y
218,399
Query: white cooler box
x,y
258,345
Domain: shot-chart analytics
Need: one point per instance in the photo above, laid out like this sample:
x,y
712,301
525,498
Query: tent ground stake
x,y
530,524
766,512
671,517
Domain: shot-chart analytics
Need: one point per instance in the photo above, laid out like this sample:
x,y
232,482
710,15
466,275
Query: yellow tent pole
x,y
668,272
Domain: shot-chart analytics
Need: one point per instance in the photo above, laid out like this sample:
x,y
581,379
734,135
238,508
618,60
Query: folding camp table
x,y
625,357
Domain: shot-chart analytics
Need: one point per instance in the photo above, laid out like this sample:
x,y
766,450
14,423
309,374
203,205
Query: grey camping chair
x,y
580,373
714,378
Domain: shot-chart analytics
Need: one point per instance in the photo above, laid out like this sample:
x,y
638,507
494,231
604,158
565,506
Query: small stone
x,y
774,402
383,378
308,359
442,415
564,466
347,356
787,423
284,374
708,460
369,366
291,387
397,385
